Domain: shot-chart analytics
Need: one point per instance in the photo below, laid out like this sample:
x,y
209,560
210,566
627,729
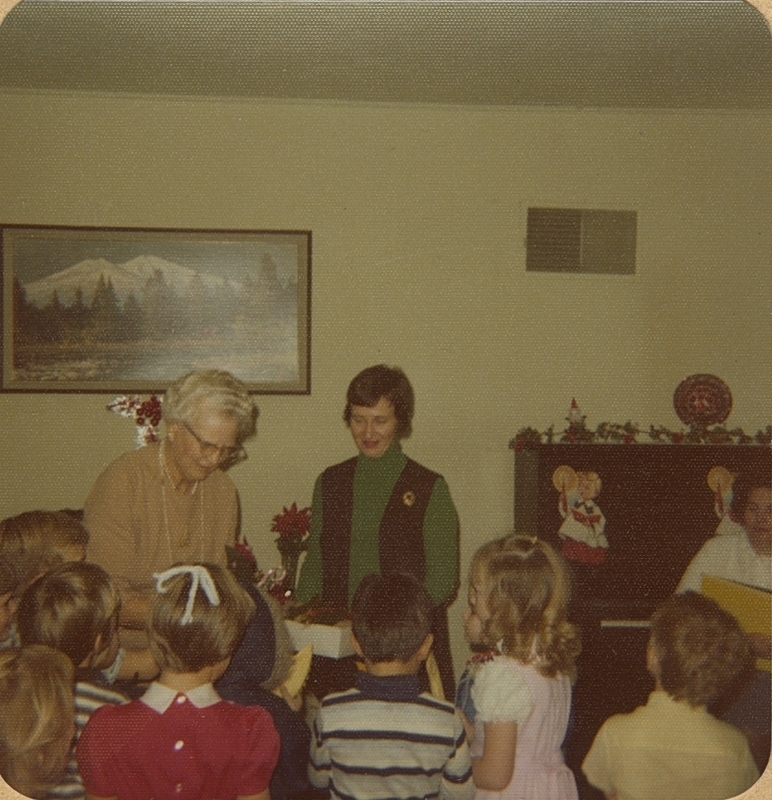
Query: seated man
x,y
745,557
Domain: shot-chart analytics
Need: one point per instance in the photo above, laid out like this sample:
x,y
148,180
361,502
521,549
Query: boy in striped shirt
x,y
386,738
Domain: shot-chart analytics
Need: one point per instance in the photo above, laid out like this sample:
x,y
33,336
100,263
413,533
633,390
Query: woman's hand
x,y
138,665
134,609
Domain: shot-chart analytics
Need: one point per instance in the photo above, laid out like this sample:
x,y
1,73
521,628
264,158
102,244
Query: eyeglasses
x,y
209,449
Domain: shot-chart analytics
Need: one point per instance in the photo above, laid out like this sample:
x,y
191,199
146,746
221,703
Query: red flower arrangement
x,y
147,415
293,526
292,523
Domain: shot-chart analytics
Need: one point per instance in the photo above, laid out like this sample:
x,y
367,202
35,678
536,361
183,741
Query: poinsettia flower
x,y
292,522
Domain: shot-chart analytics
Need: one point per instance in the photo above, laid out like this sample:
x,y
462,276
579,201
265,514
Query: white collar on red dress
x,y
160,697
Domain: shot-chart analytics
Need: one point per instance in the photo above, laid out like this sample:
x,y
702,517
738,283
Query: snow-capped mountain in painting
x,y
128,278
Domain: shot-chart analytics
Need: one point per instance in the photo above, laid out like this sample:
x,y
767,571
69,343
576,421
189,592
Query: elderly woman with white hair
x,y
172,501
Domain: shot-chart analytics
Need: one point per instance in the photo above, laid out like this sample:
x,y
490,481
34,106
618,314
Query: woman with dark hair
x,y
381,511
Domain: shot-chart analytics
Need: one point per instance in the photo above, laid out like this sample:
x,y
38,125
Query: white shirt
x,y
160,697
729,556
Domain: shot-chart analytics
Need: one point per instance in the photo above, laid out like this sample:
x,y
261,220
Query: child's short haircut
x,y
36,541
213,632
36,714
67,608
391,616
701,650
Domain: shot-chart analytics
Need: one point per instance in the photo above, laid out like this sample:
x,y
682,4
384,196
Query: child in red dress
x,y
180,740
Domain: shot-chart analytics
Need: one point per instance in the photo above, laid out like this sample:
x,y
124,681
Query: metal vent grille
x,y
581,240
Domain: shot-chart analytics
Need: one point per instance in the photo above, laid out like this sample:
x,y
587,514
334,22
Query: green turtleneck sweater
x,y
374,480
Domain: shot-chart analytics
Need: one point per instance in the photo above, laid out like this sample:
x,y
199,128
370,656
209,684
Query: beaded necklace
x,y
184,540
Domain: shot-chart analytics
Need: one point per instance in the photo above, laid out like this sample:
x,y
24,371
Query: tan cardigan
x,y
139,524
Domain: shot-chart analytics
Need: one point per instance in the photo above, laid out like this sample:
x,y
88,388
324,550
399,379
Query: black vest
x,y
400,536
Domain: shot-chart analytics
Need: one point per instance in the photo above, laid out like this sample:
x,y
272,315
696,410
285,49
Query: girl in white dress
x,y
520,689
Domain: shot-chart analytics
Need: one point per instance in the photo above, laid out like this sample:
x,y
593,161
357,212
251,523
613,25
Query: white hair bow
x,y
199,577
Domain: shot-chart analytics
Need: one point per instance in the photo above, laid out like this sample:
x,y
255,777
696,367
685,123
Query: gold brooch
x,y
408,498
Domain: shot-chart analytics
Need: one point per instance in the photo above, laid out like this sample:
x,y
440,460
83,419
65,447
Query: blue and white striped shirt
x,y
385,740
88,698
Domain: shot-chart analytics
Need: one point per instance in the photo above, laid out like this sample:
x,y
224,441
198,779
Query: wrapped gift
x,y
331,641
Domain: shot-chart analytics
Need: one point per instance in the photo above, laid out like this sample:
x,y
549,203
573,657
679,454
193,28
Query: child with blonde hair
x,y
36,717
180,739
521,687
35,542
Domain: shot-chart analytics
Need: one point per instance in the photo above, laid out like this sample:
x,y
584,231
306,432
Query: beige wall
x,y
418,219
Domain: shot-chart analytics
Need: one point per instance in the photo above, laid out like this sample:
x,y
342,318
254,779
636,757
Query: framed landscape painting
x,y
129,310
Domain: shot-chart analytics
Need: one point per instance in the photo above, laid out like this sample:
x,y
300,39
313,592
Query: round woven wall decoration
x,y
702,400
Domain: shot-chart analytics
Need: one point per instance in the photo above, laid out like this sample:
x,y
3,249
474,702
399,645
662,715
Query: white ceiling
x,y
581,54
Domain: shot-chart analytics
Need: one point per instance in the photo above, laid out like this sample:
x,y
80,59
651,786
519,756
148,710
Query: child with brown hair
x,y
74,608
8,585
521,687
36,717
387,738
673,748
180,739
33,542
36,541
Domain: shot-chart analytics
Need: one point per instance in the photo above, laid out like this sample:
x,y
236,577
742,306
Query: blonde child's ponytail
x,y
528,588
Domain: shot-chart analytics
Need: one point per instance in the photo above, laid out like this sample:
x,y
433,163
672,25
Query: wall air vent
x,y
581,240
